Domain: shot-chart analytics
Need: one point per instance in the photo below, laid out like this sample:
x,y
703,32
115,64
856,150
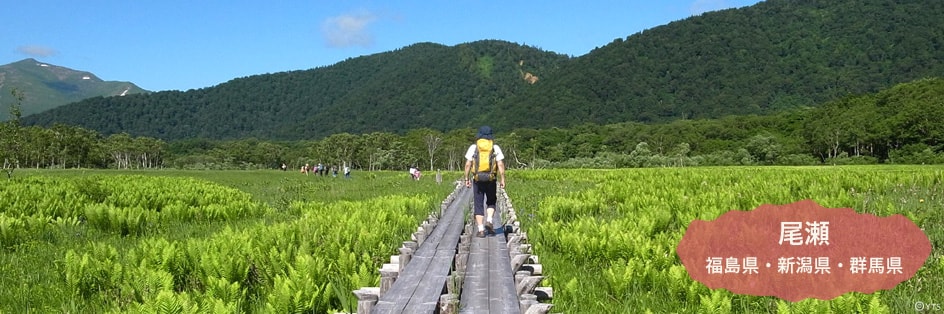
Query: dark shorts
x,y
484,195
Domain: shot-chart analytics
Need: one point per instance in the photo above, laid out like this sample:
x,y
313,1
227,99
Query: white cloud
x,y
702,6
36,51
349,30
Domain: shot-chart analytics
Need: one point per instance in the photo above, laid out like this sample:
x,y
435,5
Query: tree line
x,y
897,125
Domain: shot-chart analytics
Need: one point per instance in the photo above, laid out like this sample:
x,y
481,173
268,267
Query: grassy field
x,y
607,238
348,226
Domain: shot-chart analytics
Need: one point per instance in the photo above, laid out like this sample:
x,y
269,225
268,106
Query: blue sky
x,y
181,45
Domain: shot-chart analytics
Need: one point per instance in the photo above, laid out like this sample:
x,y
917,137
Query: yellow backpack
x,y
484,159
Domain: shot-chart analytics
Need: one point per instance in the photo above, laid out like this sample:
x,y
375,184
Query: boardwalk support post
x,y
366,299
405,254
525,301
448,304
388,275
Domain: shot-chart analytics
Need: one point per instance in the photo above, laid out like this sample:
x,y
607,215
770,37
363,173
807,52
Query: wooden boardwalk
x,y
447,269
421,283
489,285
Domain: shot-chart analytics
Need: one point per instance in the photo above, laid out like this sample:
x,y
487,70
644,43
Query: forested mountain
x,y
422,85
775,55
761,59
44,86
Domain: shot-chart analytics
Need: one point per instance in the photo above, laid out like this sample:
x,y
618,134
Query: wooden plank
x,y
503,297
475,286
435,276
419,286
489,285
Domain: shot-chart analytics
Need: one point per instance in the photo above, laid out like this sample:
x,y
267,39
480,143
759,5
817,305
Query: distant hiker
x,y
284,167
413,171
484,172
334,171
305,169
347,172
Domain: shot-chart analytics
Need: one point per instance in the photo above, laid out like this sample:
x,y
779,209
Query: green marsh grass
x,y
299,211
607,239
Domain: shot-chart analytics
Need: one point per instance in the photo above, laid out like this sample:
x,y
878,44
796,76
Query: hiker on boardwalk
x,y
484,172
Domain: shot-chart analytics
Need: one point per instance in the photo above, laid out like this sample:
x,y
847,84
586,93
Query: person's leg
x,y
490,200
478,206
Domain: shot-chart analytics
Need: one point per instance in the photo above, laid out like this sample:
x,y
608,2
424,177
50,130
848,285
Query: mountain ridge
x,y
762,59
45,86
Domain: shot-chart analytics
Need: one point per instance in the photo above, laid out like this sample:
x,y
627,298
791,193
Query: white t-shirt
x,y
498,152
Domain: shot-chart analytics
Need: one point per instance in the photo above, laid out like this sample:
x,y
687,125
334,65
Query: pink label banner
x,y
803,250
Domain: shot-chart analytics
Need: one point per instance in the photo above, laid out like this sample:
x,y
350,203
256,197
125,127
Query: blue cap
x,y
485,132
